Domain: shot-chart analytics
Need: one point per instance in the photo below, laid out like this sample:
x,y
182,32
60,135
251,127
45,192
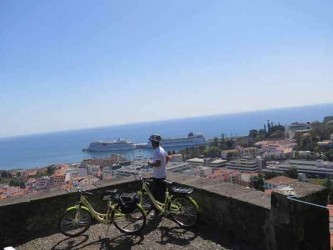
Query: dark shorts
x,y
158,189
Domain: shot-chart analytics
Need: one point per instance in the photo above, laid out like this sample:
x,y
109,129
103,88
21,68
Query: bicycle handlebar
x,y
138,173
139,168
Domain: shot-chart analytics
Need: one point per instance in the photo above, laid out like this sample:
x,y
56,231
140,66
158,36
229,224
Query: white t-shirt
x,y
160,155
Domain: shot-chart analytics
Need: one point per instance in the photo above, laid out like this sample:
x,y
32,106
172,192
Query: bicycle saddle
x,y
110,191
182,190
168,182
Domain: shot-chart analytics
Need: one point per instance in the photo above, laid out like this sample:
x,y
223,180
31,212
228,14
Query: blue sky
x,y
80,64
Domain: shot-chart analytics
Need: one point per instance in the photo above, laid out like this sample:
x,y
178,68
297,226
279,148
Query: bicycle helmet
x,y
155,138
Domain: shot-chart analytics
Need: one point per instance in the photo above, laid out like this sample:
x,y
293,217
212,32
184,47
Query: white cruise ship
x,y
192,140
107,146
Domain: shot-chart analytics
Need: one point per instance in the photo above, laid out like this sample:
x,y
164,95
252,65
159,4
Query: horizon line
x,y
166,120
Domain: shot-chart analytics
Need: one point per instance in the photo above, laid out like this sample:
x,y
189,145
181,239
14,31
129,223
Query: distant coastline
x,y
22,152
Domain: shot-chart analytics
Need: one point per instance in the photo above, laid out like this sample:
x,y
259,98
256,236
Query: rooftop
x,y
281,180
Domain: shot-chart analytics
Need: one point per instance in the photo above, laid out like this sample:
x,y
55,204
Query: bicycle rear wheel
x,y
184,211
75,222
129,223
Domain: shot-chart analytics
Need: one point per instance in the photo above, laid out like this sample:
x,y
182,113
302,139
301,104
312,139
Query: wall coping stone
x,y
303,189
229,190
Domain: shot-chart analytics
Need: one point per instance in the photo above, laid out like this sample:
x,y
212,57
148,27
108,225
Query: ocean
x,y
23,152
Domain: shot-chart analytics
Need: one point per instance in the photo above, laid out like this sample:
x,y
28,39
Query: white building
x,y
243,165
195,161
82,171
107,173
203,171
93,169
178,158
278,182
71,174
42,183
296,127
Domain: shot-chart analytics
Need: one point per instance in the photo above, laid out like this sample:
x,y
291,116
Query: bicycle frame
x,y
103,218
159,205
162,207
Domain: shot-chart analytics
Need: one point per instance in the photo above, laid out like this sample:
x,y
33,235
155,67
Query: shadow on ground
x,y
158,233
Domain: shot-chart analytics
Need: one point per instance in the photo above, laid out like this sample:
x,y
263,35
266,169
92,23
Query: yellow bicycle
x,y
123,210
178,203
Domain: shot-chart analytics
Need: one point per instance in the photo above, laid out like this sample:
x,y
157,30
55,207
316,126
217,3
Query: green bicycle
x,y
123,210
182,208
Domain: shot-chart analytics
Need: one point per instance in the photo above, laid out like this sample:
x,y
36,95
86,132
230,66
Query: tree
x,y
51,169
230,143
213,151
270,175
257,182
328,183
17,183
268,127
296,155
292,172
329,155
253,133
6,174
215,142
306,143
321,131
277,134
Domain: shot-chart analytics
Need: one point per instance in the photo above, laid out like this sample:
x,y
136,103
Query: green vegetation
x,y
270,131
17,179
270,175
257,182
17,183
329,155
51,169
6,174
320,131
327,183
292,173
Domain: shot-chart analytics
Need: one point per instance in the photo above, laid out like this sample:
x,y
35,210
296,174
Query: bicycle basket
x,y
127,202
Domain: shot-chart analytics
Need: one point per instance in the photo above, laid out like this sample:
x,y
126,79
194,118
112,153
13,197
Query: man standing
x,y
160,159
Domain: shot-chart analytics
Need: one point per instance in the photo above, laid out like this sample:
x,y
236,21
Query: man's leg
x,y
159,192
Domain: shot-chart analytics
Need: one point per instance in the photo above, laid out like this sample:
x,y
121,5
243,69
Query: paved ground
x,y
157,234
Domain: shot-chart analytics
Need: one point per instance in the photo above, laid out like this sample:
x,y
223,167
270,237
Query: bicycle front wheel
x,y
184,211
129,223
75,222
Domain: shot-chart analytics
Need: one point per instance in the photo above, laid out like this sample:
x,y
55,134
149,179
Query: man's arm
x,y
157,163
167,159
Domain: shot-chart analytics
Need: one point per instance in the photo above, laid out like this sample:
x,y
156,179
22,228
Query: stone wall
x,y
241,213
265,222
28,217
301,226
